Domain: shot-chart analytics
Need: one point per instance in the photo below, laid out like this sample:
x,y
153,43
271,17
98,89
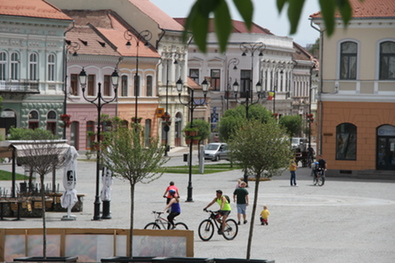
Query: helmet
x,y
172,192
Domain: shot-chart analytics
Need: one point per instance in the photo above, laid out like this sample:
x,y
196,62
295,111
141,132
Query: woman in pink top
x,y
167,194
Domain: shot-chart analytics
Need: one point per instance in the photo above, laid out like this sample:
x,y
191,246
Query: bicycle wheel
x,y
321,181
315,180
181,226
206,230
152,225
231,229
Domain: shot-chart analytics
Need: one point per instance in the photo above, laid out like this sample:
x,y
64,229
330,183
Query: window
x,y
51,67
387,60
14,66
149,86
33,66
33,119
348,60
74,84
346,141
3,65
194,74
245,82
136,85
91,85
124,86
51,121
216,79
106,86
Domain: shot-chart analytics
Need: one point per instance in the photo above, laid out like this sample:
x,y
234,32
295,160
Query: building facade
x,y
356,108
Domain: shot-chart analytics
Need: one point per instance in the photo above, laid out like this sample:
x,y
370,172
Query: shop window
x,y
346,142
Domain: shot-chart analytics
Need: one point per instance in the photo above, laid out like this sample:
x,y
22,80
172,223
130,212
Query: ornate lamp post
x,y
279,67
99,102
144,36
234,62
191,104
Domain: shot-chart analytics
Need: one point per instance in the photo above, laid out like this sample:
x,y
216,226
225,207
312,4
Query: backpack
x,y
227,198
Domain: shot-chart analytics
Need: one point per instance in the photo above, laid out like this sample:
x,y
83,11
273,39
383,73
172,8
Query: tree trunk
x,y
131,219
253,217
43,212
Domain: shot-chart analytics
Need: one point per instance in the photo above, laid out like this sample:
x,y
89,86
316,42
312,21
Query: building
x,y
31,65
356,109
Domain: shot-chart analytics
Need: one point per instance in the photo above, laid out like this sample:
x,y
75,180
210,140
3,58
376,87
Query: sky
x,y
265,15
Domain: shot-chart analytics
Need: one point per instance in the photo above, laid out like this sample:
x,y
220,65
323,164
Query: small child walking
x,y
264,215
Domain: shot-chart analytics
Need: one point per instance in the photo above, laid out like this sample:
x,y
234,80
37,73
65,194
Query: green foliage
x,y
202,10
29,134
234,118
292,124
260,148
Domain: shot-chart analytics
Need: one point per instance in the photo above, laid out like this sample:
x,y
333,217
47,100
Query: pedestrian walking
x,y
292,169
167,194
264,216
241,195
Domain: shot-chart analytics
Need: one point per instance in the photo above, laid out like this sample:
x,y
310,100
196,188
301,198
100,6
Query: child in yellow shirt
x,y
264,215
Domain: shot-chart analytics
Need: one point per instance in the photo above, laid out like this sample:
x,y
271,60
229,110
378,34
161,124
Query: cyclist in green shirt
x,y
224,210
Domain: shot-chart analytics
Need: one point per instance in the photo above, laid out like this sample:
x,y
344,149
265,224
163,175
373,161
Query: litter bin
x,y
186,157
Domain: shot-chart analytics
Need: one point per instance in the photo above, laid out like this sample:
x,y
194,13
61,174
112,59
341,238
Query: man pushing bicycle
x,y
224,210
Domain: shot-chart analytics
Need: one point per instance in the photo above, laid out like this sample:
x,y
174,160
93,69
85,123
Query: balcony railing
x,y
20,86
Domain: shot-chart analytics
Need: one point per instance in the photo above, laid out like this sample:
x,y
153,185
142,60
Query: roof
x,y
101,33
238,27
163,20
31,8
301,53
368,9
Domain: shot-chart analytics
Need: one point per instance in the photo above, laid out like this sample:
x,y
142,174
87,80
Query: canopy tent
x,y
14,149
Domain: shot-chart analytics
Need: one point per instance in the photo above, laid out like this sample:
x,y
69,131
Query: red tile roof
x,y
368,9
164,20
31,8
238,27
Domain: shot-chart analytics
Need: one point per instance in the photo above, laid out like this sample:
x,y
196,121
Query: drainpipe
x,y
320,115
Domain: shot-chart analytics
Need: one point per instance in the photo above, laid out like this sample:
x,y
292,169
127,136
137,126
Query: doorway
x,y
386,147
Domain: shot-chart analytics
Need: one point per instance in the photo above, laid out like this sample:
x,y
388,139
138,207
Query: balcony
x,y
20,86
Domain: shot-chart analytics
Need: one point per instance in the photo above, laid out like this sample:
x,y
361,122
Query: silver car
x,y
216,151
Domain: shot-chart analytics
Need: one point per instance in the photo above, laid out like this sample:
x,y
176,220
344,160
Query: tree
x,y
261,148
203,131
127,156
43,157
233,118
292,124
198,18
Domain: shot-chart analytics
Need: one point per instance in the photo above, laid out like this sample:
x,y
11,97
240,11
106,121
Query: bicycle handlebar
x,y
156,212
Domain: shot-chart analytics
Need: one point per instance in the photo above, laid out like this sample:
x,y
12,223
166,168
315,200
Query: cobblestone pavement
x,y
346,220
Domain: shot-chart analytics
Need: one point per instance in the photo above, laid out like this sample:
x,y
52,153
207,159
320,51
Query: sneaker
x,y
262,223
245,221
220,232
238,223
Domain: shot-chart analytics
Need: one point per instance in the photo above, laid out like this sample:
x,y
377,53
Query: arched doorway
x,y
177,129
385,147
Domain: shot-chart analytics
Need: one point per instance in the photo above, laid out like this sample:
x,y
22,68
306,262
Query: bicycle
x,y
161,221
319,177
207,227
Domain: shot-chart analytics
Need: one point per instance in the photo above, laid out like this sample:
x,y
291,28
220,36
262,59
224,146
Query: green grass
x,y
5,175
208,168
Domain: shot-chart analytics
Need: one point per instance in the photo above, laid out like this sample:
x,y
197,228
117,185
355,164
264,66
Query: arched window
x,y
14,66
348,60
33,119
124,86
51,67
51,121
33,66
136,85
346,142
387,60
149,86
3,66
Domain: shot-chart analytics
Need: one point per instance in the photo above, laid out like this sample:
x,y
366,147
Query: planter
x,y
188,141
195,141
47,259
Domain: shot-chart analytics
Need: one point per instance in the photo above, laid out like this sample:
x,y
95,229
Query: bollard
x,y
106,210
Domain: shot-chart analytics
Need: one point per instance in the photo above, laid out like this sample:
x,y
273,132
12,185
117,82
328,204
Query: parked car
x,y
216,151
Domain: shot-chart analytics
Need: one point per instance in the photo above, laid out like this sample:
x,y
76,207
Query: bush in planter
x,y
190,131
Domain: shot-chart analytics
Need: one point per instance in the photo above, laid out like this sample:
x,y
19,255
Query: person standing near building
x,y
242,202
167,194
292,169
322,164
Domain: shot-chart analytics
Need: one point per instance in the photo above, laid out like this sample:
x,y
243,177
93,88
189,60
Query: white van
x,y
299,143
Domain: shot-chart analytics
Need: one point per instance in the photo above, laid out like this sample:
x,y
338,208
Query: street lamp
x,y
144,36
99,102
166,128
279,67
235,62
191,104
